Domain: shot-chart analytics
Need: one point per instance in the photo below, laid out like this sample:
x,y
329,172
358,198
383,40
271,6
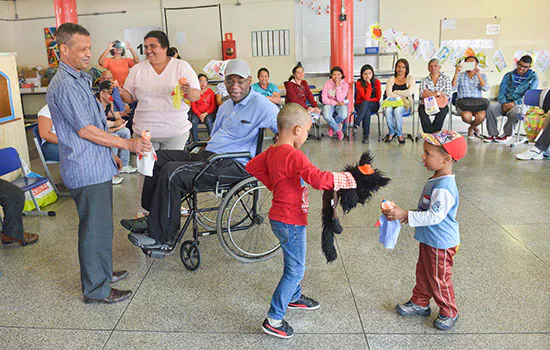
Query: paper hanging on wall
x,y
542,60
403,42
426,49
215,68
180,38
492,29
414,45
482,58
457,55
375,31
499,61
52,50
443,54
448,24
389,40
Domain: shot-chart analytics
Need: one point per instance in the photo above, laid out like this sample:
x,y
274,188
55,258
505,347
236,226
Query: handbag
x,y
472,104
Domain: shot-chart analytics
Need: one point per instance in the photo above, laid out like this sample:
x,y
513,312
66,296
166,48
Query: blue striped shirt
x,y
470,87
73,107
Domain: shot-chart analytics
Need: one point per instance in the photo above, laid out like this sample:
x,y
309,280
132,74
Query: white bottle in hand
x,y
146,162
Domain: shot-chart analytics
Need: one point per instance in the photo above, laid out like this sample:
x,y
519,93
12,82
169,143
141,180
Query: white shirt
x,y
45,112
153,91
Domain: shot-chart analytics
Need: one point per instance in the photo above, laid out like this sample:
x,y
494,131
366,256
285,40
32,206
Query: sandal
x,y
389,138
401,141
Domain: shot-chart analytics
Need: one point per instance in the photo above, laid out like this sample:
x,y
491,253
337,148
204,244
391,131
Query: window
x,y
271,42
313,35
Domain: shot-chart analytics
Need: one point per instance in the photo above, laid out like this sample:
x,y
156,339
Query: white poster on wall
x,y
135,37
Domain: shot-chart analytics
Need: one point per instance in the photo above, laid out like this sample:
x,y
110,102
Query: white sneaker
x,y
117,180
128,169
533,154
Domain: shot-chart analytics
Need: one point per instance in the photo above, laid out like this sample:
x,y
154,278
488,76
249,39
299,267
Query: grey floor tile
x,y
534,237
256,340
456,341
29,338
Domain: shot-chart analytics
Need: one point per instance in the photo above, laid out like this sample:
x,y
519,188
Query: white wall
x,y
523,25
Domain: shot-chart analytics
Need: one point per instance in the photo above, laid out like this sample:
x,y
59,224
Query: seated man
x,y
510,98
12,200
235,130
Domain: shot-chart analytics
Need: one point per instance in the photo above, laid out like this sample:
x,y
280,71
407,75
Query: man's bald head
x,y
106,75
290,115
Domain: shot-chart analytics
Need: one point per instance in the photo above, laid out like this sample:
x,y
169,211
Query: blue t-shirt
x,y
237,124
271,88
435,220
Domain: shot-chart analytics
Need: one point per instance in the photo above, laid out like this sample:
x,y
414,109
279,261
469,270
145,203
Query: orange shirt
x,y
119,68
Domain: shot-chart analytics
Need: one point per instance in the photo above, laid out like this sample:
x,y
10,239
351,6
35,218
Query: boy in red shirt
x,y
285,170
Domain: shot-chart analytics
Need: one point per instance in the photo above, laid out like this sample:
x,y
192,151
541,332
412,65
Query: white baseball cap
x,y
238,67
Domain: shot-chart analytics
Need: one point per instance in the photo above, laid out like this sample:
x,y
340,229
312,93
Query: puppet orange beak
x,y
366,169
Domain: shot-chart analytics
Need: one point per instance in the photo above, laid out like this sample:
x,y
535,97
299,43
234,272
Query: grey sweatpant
x,y
494,111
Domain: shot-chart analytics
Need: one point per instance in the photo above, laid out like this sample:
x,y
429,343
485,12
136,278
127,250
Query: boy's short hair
x,y
290,115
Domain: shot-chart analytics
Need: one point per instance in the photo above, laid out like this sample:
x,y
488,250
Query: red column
x,y
341,41
65,12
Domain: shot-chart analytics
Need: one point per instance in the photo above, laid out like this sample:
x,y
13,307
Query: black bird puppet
x,y
369,181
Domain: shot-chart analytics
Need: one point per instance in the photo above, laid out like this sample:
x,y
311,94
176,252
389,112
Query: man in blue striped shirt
x,y
87,164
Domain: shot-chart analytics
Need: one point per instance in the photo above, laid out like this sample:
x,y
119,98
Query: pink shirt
x,y
153,91
332,94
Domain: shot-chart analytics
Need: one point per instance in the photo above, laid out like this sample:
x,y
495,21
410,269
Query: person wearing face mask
x,y
151,83
470,103
118,64
335,92
235,129
368,91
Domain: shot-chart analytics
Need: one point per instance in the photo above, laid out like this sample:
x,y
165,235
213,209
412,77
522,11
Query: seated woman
x,y
46,130
116,125
203,110
297,90
470,103
399,90
368,91
264,87
438,85
335,92
118,65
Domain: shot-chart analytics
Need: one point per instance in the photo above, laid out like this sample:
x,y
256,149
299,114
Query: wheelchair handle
x,y
216,157
195,144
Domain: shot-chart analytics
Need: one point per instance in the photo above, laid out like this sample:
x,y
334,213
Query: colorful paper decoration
x,y
375,31
51,46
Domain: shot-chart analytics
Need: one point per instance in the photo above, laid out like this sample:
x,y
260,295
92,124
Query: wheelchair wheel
x,y
243,226
190,255
206,219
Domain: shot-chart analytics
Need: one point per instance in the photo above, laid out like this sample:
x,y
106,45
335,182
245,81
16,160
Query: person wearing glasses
x,y
235,129
513,87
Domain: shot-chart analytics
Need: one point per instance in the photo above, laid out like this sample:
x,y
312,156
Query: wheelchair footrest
x,y
157,253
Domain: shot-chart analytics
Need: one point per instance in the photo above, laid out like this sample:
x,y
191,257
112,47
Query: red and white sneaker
x,y
282,331
489,139
502,139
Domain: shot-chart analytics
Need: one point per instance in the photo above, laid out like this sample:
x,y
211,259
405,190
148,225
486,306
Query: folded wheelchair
x,y
237,213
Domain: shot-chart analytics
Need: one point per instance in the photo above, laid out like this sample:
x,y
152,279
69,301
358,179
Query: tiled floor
x,y
501,272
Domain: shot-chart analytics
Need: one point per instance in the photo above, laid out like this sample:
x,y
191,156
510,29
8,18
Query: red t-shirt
x,y
365,94
119,68
206,103
284,170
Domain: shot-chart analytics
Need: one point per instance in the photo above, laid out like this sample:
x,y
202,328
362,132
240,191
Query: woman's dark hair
x,y
160,36
119,45
202,75
172,52
263,69
363,69
474,57
298,65
337,69
406,63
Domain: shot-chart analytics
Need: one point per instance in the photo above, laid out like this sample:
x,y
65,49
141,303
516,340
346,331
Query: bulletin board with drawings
x,y
478,34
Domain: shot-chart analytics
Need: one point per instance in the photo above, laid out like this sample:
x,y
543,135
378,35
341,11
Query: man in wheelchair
x,y
236,129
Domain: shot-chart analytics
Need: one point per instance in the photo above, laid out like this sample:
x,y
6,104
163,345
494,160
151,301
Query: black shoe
x,y
336,227
119,275
115,296
401,142
389,138
135,225
283,331
305,303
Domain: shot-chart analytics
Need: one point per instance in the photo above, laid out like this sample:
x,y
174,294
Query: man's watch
x,y
438,93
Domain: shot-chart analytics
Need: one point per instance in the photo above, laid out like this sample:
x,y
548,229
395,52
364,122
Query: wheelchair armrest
x,y
196,144
213,159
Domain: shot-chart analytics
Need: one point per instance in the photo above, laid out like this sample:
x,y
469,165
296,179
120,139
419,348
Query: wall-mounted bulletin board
x,y
480,34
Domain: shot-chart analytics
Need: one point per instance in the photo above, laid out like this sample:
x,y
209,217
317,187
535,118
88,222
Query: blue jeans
x,y
208,121
333,122
293,242
394,118
122,153
50,151
364,112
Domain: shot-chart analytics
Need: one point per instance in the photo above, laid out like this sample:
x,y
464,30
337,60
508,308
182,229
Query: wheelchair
x,y
236,213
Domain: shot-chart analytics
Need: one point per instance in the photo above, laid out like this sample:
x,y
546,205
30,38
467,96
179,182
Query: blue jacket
x,y
507,92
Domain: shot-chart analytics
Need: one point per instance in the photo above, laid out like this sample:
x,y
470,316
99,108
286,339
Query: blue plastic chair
x,y
10,163
531,98
408,113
